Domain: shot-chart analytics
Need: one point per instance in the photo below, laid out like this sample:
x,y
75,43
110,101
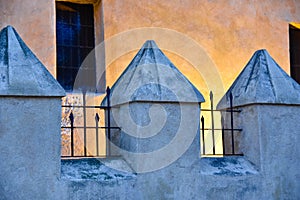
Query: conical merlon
x,y
21,73
262,81
152,77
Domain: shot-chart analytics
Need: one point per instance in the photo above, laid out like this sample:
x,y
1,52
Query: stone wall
x,y
30,154
30,125
269,140
151,133
30,117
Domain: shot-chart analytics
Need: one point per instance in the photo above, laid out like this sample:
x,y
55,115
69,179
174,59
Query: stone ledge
x,y
227,166
98,169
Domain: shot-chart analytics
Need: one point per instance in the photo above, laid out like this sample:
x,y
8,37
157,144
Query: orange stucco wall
x,y
226,32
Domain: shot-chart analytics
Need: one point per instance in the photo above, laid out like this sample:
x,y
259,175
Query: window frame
x,y
97,83
294,50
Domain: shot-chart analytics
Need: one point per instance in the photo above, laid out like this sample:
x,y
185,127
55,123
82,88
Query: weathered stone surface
x,y
262,81
154,135
269,103
29,147
29,121
152,77
269,141
155,105
96,169
21,73
227,166
240,181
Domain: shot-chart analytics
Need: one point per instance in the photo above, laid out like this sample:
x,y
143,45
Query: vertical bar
x,y
84,120
108,120
97,118
223,135
231,122
203,143
71,117
212,120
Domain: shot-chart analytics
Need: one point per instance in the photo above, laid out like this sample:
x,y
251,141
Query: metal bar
x,y
85,127
231,123
88,156
223,143
209,110
212,120
84,120
108,119
71,117
225,129
97,118
203,143
73,106
93,127
113,127
238,154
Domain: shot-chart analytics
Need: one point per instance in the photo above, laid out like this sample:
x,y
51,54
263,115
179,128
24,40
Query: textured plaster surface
x,y
155,104
269,102
151,133
30,117
187,178
30,154
233,178
269,141
231,166
279,152
95,169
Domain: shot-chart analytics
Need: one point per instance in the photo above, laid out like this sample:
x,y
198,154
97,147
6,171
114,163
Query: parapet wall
x,y
29,146
30,166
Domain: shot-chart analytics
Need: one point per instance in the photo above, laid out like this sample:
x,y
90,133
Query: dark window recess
x,y
295,52
75,41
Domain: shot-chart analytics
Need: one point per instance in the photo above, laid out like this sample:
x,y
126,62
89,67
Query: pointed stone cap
x,y
262,81
21,73
152,77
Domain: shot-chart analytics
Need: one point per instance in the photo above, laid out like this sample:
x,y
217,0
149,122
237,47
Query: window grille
x,y
74,41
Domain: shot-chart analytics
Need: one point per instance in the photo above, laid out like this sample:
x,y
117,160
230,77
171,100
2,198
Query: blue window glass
x,y
74,41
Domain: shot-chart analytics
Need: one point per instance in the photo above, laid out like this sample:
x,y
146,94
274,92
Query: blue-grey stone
x,y
151,76
262,81
21,72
